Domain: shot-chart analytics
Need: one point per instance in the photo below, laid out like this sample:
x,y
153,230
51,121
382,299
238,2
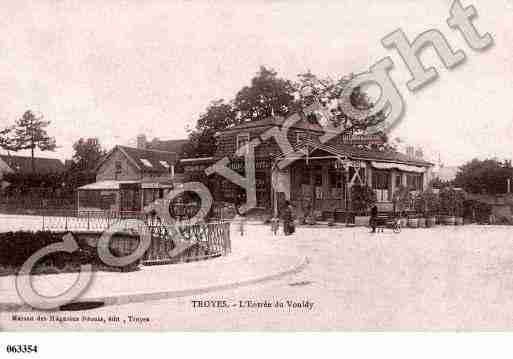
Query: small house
x,y
128,179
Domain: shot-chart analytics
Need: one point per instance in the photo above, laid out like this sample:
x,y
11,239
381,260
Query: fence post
x,y
88,216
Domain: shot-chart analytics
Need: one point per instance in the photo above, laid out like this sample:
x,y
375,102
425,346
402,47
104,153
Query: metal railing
x,y
198,241
86,220
182,242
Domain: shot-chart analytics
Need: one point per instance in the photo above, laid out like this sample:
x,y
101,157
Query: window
x,y
242,140
318,179
300,136
398,180
336,181
146,162
118,166
305,178
414,181
380,185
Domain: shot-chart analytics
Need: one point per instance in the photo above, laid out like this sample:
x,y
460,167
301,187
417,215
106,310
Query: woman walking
x,y
288,219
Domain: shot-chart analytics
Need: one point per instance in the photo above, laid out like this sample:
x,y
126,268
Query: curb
x,y
152,296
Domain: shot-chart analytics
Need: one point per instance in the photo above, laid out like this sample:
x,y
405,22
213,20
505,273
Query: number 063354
x,y
21,348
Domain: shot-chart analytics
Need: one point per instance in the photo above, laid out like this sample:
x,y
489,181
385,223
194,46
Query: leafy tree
x,y
5,139
218,116
327,92
486,176
29,133
267,95
88,153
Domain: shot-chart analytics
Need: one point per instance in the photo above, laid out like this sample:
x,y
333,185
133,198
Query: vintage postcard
x,y
256,166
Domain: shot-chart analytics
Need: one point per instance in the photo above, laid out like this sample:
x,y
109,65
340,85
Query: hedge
x,y
17,247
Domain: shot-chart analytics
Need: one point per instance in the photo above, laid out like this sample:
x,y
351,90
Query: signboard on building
x,y
363,139
350,163
238,165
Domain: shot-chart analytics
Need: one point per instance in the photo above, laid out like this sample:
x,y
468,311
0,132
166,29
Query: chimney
x,y
141,141
419,154
410,151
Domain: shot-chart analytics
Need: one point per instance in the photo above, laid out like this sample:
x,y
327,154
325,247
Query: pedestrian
x,y
288,219
239,218
374,218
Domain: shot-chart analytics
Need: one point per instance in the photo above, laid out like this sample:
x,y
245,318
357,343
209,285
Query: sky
x,y
113,69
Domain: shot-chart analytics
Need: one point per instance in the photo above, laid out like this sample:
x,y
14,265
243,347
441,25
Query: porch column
x,y
118,200
426,178
312,187
393,175
368,174
325,186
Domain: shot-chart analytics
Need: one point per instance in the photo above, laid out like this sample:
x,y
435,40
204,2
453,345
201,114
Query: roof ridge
x,y
146,149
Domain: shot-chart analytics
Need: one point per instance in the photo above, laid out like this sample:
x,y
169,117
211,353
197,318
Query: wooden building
x,y
128,179
314,173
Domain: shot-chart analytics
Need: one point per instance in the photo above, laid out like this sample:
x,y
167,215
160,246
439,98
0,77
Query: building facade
x,y
128,179
314,176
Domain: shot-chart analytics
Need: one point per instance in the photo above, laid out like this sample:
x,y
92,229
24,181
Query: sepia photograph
x,y
255,166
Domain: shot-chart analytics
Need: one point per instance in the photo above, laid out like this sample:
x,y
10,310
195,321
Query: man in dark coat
x,y
374,218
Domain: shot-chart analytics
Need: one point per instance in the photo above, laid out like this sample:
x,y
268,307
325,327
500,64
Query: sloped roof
x,y
23,164
150,160
355,152
301,124
168,145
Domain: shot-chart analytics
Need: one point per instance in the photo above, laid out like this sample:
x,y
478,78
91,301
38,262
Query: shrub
x,y
362,197
401,199
17,247
427,203
483,212
451,202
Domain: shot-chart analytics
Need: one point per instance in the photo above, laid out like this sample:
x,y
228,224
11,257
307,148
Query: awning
x,y
399,166
104,185
114,185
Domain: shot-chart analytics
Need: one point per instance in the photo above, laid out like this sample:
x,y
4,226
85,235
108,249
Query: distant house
x,y
445,173
127,179
23,164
